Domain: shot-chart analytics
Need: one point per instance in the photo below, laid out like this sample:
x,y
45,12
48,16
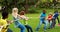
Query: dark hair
x,y
22,13
55,11
4,15
44,11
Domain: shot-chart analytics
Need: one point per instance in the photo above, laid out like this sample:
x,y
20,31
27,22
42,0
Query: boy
x,y
55,16
3,22
42,20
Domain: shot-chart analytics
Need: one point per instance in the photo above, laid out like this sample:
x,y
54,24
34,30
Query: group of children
x,y
4,23
51,19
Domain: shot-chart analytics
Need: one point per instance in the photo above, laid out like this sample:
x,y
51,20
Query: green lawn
x,y
33,22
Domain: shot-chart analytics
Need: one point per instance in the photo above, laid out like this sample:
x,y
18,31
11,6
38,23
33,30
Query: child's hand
x,y
26,18
10,21
1,28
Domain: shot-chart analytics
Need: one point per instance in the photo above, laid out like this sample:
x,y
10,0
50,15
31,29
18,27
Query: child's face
x,y
44,11
15,11
50,14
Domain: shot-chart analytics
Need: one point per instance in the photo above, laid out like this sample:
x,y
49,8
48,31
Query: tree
x,y
55,4
37,3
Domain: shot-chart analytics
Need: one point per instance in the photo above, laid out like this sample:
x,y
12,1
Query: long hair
x,y
15,12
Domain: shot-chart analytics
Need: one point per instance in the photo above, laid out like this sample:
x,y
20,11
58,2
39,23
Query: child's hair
x,y
50,14
44,11
22,13
15,10
4,15
55,11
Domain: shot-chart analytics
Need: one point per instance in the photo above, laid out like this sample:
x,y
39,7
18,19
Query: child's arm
x,y
42,17
1,28
24,17
9,21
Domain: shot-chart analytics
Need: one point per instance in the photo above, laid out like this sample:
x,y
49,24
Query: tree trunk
x,y
55,2
15,3
37,3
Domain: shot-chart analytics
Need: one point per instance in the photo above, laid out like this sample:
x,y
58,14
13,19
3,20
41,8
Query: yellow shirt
x,y
4,24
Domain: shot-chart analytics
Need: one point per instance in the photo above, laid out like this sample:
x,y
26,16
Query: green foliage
x,y
32,10
21,4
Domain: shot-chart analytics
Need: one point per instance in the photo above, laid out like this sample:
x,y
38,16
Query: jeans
x,y
53,23
18,24
22,27
29,29
40,23
50,23
9,30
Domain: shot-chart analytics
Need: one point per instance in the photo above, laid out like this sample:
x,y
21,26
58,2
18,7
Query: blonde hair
x,y
15,12
50,13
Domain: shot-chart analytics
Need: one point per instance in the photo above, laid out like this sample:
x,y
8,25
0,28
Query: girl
x,y
16,18
50,19
42,20
4,23
22,15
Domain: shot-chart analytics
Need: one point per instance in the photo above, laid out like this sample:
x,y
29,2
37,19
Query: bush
x,y
32,10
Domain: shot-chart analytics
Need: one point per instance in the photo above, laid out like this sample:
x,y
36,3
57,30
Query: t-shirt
x,y
4,24
43,15
49,17
55,15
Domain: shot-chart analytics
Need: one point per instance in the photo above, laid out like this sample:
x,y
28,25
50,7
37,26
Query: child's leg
x,y
53,23
29,29
9,30
50,24
22,27
40,23
46,23
58,20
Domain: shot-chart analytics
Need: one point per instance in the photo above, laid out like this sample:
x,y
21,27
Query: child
x,y
22,15
50,19
3,23
55,16
42,20
16,18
